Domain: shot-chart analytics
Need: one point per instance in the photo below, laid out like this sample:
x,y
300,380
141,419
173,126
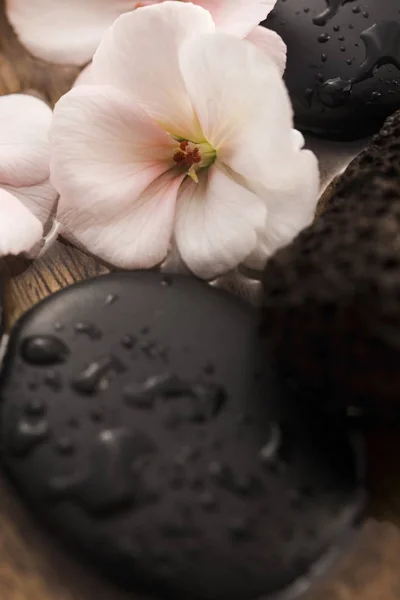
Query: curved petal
x,y
238,17
271,44
19,229
139,55
247,115
217,222
64,31
136,237
105,152
291,205
40,200
85,76
24,145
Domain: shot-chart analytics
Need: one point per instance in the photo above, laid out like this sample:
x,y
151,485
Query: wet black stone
x,y
335,324
358,81
121,487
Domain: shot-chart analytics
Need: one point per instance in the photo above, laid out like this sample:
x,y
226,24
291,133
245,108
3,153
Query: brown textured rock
x,y
332,298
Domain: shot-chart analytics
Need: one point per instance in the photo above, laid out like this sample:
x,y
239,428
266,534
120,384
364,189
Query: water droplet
x,y
95,375
323,38
64,445
143,395
331,10
110,299
26,436
269,451
108,482
53,380
44,350
167,280
88,329
128,341
35,407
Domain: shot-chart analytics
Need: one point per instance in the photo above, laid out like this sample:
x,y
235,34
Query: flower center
x,y
193,157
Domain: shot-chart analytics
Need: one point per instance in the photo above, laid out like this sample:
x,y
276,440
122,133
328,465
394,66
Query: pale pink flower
x,y
184,142
26,196
69,31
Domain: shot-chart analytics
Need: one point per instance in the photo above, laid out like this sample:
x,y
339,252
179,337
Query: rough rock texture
x,y
332,298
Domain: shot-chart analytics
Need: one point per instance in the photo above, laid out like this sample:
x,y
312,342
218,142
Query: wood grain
x,y
32,565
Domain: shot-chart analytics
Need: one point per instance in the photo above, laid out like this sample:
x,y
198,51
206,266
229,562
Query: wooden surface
x,y
32,565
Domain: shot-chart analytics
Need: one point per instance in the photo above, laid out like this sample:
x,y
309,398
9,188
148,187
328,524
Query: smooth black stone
x,y
332,297
212,491
343,63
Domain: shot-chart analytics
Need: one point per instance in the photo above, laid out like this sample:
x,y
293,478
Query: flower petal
x,y
291,206
85,76
139,55
134,237
238,17
19,229
217,222
24,146
105,152
247,115
64,31
271,44
39,199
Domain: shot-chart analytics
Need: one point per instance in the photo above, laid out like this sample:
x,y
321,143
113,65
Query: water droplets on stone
x,y
95,376
331,10
382,47
35,407
64,445
26,435
269,451
110,299
44,350
88,329
203,401
53,380
108,482
128,342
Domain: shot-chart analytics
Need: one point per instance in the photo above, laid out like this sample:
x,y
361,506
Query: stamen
x,y
193,157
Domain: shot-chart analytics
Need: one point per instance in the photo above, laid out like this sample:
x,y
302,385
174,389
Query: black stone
x,y
332,298
343,63
123,487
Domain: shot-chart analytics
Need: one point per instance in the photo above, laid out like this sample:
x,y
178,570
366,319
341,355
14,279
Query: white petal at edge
x,y
63,31
217,222
39,199
138,239
271,44
24,146
139,55
291,206
238,17
19,229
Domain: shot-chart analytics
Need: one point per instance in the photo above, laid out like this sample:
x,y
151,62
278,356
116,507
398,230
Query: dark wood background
x,y
32,565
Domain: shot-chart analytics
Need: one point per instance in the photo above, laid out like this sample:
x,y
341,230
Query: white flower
x,y
69,31
26,196
183,139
